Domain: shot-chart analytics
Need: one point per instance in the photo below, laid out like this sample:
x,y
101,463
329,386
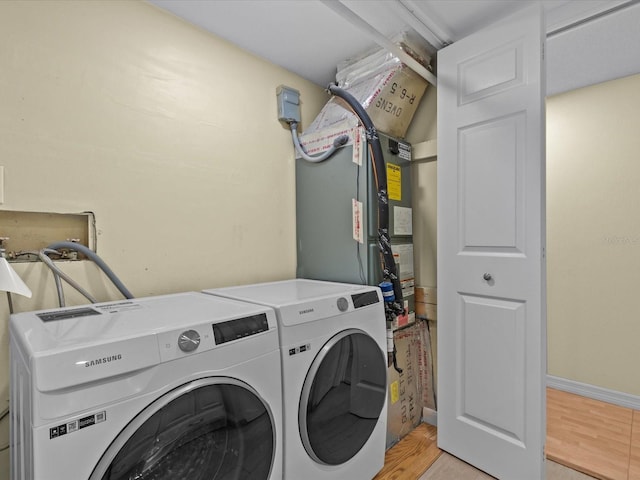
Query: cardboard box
x,y
427,295
403,320
405,391
427,311
389,90
390,97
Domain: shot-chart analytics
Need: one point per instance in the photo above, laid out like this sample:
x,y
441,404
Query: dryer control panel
x,y
239,328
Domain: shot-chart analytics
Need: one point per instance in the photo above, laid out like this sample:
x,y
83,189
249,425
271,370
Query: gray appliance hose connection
x,y
97,260
337,143
43,254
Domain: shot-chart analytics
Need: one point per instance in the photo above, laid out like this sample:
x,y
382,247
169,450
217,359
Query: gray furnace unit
x,y
337,222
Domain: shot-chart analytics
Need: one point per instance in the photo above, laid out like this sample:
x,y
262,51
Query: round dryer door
x,y
207,429
342,397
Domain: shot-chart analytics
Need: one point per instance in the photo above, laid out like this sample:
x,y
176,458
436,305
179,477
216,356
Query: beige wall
x,y
593,224
168,134
424,191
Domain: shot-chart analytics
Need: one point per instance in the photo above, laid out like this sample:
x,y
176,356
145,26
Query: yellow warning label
x,y
395,392
394,182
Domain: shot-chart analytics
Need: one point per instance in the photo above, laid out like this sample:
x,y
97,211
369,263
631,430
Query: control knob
x,y
189,340
343,304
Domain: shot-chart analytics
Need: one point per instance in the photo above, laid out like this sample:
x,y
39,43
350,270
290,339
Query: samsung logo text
x,y
100,361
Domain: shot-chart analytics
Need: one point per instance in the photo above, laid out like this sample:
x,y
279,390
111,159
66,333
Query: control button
x,y
343,304
189,340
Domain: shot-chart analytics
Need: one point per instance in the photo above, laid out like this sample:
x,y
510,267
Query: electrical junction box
x,y
288,104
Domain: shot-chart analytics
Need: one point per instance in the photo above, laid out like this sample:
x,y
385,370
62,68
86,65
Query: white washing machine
x,y
334,370
183,386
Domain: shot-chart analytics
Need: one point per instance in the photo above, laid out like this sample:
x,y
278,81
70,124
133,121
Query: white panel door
x,y
491,239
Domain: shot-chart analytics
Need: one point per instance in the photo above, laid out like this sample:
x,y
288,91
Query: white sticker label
x,y
356,209
402,221
403,256
119,307
358,145
404,151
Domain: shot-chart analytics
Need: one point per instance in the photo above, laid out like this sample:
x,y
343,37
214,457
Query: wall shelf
x,y
427,150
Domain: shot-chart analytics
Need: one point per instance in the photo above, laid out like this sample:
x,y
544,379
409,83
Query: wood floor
x,y
599,439
417,457
448,467
634,457
412,455
594,437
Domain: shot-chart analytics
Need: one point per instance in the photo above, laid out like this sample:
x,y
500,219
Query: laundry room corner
x,y
165,132
423,134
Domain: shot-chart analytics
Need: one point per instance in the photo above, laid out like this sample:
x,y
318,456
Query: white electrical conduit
x,y
337,143
381,40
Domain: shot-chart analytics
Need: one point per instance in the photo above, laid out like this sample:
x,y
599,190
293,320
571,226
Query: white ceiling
x,y
589,41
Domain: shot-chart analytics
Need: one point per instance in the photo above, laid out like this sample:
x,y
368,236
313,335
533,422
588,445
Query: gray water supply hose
x,y
337,143
57,279
60,274
97,260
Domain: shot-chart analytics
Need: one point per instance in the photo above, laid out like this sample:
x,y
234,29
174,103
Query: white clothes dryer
x,y
183,386
334,370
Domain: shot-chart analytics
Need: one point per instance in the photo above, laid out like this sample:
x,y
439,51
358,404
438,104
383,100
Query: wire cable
x,y
363,278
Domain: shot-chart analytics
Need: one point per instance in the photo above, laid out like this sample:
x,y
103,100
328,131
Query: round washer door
x,y
342,397
208,429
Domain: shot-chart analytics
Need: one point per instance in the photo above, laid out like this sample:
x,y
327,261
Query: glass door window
x,y
342,397
205,430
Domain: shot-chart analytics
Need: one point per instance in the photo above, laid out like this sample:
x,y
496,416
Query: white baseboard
x,y
596,393
430,416
571,386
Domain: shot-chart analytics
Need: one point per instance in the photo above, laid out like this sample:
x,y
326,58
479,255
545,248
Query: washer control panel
x,y
188,340
195,339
